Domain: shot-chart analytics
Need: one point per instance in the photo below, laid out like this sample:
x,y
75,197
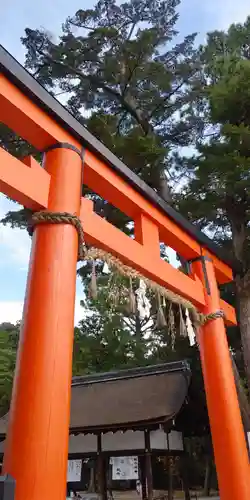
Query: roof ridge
x,y
131,373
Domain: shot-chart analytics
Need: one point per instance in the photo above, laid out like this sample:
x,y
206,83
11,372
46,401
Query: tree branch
x,y
166,98
135,113
120,122
80,25
129,325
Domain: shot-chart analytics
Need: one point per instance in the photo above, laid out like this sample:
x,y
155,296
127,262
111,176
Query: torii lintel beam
x,y
28,183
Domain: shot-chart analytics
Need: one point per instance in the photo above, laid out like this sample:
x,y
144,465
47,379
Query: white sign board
x,y
74,471
124,468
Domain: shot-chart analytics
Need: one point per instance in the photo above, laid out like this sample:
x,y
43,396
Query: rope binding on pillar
x,y
214,315
92,254
60,218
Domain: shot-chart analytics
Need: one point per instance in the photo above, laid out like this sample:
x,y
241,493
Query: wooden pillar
x,y
101,467
36,450
143,477
184,474
170,472
148,465
184,457
230,450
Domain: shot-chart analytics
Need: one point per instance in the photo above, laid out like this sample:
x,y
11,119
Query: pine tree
x,y
217,194
119,71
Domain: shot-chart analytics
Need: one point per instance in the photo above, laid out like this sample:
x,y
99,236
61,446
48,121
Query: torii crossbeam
x,y
37,441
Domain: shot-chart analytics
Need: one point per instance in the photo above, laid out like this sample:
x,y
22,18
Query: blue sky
x,y
195,16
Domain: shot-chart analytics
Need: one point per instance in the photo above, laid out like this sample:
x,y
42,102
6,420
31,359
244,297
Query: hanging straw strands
x,y
93,254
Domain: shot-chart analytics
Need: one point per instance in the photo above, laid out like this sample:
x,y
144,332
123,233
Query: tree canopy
x,y
119,70
217,194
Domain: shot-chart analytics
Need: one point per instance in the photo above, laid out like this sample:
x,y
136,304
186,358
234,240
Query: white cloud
x,y
15,247
11,311
219,13
14,243
227,12
172,257
207,16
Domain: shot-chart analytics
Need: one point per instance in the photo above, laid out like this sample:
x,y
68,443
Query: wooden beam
x,y
34,124
147,234
230,314
29,121
98,232
28,185
113,188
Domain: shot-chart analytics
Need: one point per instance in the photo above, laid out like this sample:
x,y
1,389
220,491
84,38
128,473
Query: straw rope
x,y
92,254
60,218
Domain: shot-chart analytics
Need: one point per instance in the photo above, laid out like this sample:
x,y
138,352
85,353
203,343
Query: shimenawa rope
x,y
93,253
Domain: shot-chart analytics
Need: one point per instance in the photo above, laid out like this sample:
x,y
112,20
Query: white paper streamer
x,y
190,330
143,303
105,268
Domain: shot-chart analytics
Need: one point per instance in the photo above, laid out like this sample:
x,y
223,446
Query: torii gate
x,y
37,441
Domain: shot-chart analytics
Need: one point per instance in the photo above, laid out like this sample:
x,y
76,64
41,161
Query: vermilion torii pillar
x,y
37,440
39,418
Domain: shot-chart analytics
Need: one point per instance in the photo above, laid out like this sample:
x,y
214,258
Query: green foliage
x,y
216,196
103,339
110,335
123,77
118,63
230,96
8,347
102,343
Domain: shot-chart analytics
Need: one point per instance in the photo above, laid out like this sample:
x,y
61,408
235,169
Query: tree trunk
x,y
208,475
244,314
243,401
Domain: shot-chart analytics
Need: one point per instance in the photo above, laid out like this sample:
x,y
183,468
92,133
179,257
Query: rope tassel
x,y
131,299
87,254
171,323
160,317
93,283
183,329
